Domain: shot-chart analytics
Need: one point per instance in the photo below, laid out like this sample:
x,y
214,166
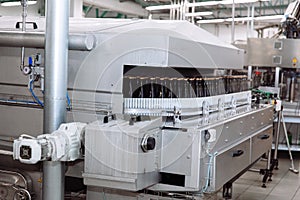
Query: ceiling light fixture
x,y
202,4
241,19
225,2
211,21
162,7
196,14
7,3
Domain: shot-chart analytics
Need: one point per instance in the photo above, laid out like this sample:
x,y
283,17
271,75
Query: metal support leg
x,y
267,172
269,165
227,190
288,145
275,159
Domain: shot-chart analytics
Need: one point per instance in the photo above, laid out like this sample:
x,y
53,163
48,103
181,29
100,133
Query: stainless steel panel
x,y
203,56
240,127
176,152
20,120
230,163
114,157
267,52
261,143
24,120
229,133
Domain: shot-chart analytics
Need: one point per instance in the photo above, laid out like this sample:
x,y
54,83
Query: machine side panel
x,y
231,162
114,157
267,52
203,55
261,143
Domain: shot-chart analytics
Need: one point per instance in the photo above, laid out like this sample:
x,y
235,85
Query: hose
x,y
212,156
33,94
69,102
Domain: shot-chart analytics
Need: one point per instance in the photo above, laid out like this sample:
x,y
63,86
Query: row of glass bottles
x,y
182,87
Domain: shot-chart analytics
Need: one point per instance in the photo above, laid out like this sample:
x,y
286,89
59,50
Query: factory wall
x,y
33,10
241,33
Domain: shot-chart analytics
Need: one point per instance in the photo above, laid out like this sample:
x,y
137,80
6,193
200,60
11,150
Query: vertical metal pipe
x,y
181,10
193,11
171,10
248,22
277,136
232,23
249,73
185,9
174,10
24,15
217,30
76,8
178,10
252,20
56,66
42,7
277,74
249,76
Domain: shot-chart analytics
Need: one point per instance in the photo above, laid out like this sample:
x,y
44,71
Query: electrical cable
x,y
204,189
33,94
69,102
17,101
209,168
26,136
104,196
37,100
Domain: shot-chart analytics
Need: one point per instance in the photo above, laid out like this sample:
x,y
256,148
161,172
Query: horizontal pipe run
x,y
8,153
125,7
77,42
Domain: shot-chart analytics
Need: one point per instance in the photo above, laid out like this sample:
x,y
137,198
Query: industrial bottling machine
x,y
274,65
154,111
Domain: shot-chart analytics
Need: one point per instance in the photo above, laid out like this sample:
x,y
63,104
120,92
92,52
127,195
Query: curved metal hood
x,y
172,43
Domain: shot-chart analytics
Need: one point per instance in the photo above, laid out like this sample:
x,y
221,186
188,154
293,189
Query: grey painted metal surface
x,y
111,34
233,164
25,125
95,83
267,52
261,143
56,77
156,44
127,168
182,151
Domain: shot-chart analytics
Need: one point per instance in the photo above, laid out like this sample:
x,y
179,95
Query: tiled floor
x,y
284,186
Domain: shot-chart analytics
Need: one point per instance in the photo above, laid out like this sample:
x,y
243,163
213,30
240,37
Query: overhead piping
x,y
126,7
37,40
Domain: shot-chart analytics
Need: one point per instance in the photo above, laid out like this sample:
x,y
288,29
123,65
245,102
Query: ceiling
x,y
261,8
137,8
